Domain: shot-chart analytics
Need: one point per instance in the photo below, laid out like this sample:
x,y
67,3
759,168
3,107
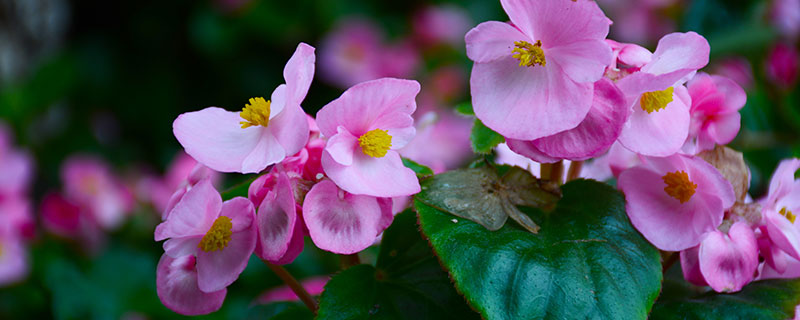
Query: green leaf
x,y
465,109
484,139
406,283
586,262
420,170
769,299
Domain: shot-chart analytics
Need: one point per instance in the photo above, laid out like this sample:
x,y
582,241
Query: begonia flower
x,y
785,16
641,21
729,261
441,142
263,133
441,24
737,69
278,221
673,201
782,65
715,118
221,235
342,222
183,172
364,127
591,138
90,183
177,285
534,77
660,120
780,209
13,259
16,166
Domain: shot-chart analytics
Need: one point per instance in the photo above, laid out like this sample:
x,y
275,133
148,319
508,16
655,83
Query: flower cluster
x,y
331,178
16,220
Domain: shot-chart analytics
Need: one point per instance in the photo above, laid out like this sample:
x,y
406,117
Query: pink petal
x,y
530,151
492,40
13,261
342,146
379,177
584,60
218,269
596,133
295,246
260,187
176,284
782,179
179,247
527,103
557,23
690,266
634,55
659,133
679,52
298,73
783,234
276,221
241,212
215,138
193,215
360,106
289,127
728,262
341,222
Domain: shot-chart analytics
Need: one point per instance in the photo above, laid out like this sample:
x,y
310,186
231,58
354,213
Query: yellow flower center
x,y
788,214
256,113
656,100
218,236
679,186
528,54
375,143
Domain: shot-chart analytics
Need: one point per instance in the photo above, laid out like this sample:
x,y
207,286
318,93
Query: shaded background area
x,y
107,78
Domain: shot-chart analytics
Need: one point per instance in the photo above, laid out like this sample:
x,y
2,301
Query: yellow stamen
x,y
679,186
788,214
528,54
375,143
656,100
218,236
256,113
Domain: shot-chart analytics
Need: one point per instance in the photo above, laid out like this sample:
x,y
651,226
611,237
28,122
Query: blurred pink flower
x,y
534,77
782,63
344,223
442,141
177,286
441,24
639,21
354,52
660,121
16,166
13,258
314,286
221,235
737,69
716,101
89,183
264,133
364,127
673,201
181,174
785,16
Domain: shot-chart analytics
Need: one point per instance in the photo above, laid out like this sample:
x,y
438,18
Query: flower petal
x,y
218,269
342,146
684,52
378,177
290,128
659,133
176,284
492,40
298,73
193,214
728,262
276,221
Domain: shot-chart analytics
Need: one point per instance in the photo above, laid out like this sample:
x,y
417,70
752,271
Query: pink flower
x,y
673,201
177,285
13,258
737,69
534,77
279,224
314,286
441,142
89,182
593,136
639,21
782,63
785,16
659,124
364,128
264,133
221,235
715,108
726,262
181,174
342,222
441,24
780,208
611,164
16,166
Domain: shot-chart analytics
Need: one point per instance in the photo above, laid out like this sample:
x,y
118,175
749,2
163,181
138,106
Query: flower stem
x,y
556,172
349,260
574,170
298,289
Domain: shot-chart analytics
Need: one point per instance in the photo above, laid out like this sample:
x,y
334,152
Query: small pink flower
x,y
177,287
181,174
737,69
89,182
441,24
441,142
780,209
640,21
534,77
16,166
364,127
716,101
13,258
278,221
314,286
591,138
727,262
344,223
782,64
659,124
264,133
673,201
222,235
785,16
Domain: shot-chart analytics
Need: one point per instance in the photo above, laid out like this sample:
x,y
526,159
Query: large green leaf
x,y
407,282
586,262
484,139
